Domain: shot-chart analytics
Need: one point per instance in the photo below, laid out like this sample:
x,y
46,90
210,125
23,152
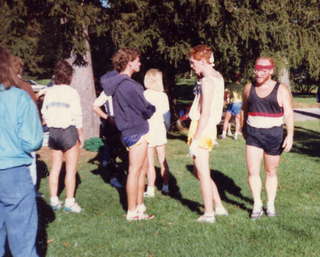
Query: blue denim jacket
x,y
20,128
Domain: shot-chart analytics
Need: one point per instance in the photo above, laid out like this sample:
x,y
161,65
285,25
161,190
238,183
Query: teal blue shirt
x,y
20,128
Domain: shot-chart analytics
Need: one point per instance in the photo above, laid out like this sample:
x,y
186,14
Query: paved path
x,y
306,114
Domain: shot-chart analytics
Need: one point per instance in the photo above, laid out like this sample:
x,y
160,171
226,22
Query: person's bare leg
x,y
237,131
164,168
203,172
71,158
137,157
53,180
141,180
253,158
151,170
226,121
271,163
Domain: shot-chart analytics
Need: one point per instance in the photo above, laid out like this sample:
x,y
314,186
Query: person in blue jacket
x,y
131,112
20,134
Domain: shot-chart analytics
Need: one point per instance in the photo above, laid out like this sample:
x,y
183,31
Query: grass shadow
x,y
116,166
306,142
226,185
175,194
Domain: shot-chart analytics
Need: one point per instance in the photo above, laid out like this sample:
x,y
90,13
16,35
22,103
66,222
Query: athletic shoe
x,y
229,134
221,211
56,205
256,214
148,194
222,136
206,219
165,189
74,207
271,211
115,183
235,137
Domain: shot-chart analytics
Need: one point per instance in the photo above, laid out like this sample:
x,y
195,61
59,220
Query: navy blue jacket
x,y
131,109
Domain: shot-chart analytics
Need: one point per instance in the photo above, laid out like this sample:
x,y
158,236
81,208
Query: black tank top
x,y
267,106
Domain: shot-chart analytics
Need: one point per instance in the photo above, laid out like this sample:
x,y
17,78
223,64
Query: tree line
x,y
88,31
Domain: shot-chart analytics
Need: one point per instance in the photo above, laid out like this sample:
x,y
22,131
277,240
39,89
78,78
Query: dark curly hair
x,y
122,57
63,73
7,75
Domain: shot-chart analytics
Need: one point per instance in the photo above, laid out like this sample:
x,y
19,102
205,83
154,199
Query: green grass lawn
x,y
102,230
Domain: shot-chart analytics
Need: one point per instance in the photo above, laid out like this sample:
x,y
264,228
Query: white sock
x,y
131,213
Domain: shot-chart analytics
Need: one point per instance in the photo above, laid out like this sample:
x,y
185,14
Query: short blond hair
x,y
153,80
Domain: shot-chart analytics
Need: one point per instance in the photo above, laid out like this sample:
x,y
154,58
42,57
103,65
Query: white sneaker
x,y
74,207
235,137
56,205
148,194
229,134
221,211
115,183
206,219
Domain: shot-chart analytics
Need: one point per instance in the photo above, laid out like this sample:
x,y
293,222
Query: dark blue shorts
x,y
269,139
234,108
63,139
129,141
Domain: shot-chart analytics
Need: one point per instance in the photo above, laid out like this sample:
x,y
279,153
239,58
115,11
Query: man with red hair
x,y
266,105
205,114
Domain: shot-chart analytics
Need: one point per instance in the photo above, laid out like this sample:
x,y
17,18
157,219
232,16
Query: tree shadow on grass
x,y
226,185
116,166
306,142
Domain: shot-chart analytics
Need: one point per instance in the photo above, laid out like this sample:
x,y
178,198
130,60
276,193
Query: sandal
x,y
144,216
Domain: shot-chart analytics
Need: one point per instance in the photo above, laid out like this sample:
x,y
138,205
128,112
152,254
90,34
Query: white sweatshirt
x,y
61,107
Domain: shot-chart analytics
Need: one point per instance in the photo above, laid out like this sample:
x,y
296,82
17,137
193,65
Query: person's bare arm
x,y
99,112
244,111
285,99
205,104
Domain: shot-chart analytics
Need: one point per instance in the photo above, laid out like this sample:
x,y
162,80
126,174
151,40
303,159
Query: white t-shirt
x,y
103,99
157,134
61,107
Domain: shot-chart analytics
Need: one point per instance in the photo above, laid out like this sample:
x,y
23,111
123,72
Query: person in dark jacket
x,y
131,112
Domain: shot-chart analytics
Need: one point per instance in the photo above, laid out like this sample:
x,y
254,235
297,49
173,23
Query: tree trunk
x,y
284,77
83,82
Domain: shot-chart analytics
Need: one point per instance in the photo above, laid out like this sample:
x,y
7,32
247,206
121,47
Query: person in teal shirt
x,y
20,134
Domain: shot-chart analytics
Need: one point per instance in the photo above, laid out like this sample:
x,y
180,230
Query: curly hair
x,y
63,73
7,75
122,57
200,52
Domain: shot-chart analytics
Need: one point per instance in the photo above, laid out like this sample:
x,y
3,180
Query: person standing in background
x,y
62,113
157,135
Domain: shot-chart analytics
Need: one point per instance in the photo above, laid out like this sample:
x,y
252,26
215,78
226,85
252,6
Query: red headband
x,y
263,67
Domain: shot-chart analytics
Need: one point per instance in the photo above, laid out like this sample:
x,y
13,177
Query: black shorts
x,y
269,139
63,139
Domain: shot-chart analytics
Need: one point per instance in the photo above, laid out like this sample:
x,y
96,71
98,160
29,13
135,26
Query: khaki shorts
x,y
207,139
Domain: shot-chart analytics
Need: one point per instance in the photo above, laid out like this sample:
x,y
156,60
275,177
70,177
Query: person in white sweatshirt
x,y
62,113
158,125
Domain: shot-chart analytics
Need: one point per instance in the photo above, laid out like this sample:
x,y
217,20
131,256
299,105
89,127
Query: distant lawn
x,y
102,231
305,101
